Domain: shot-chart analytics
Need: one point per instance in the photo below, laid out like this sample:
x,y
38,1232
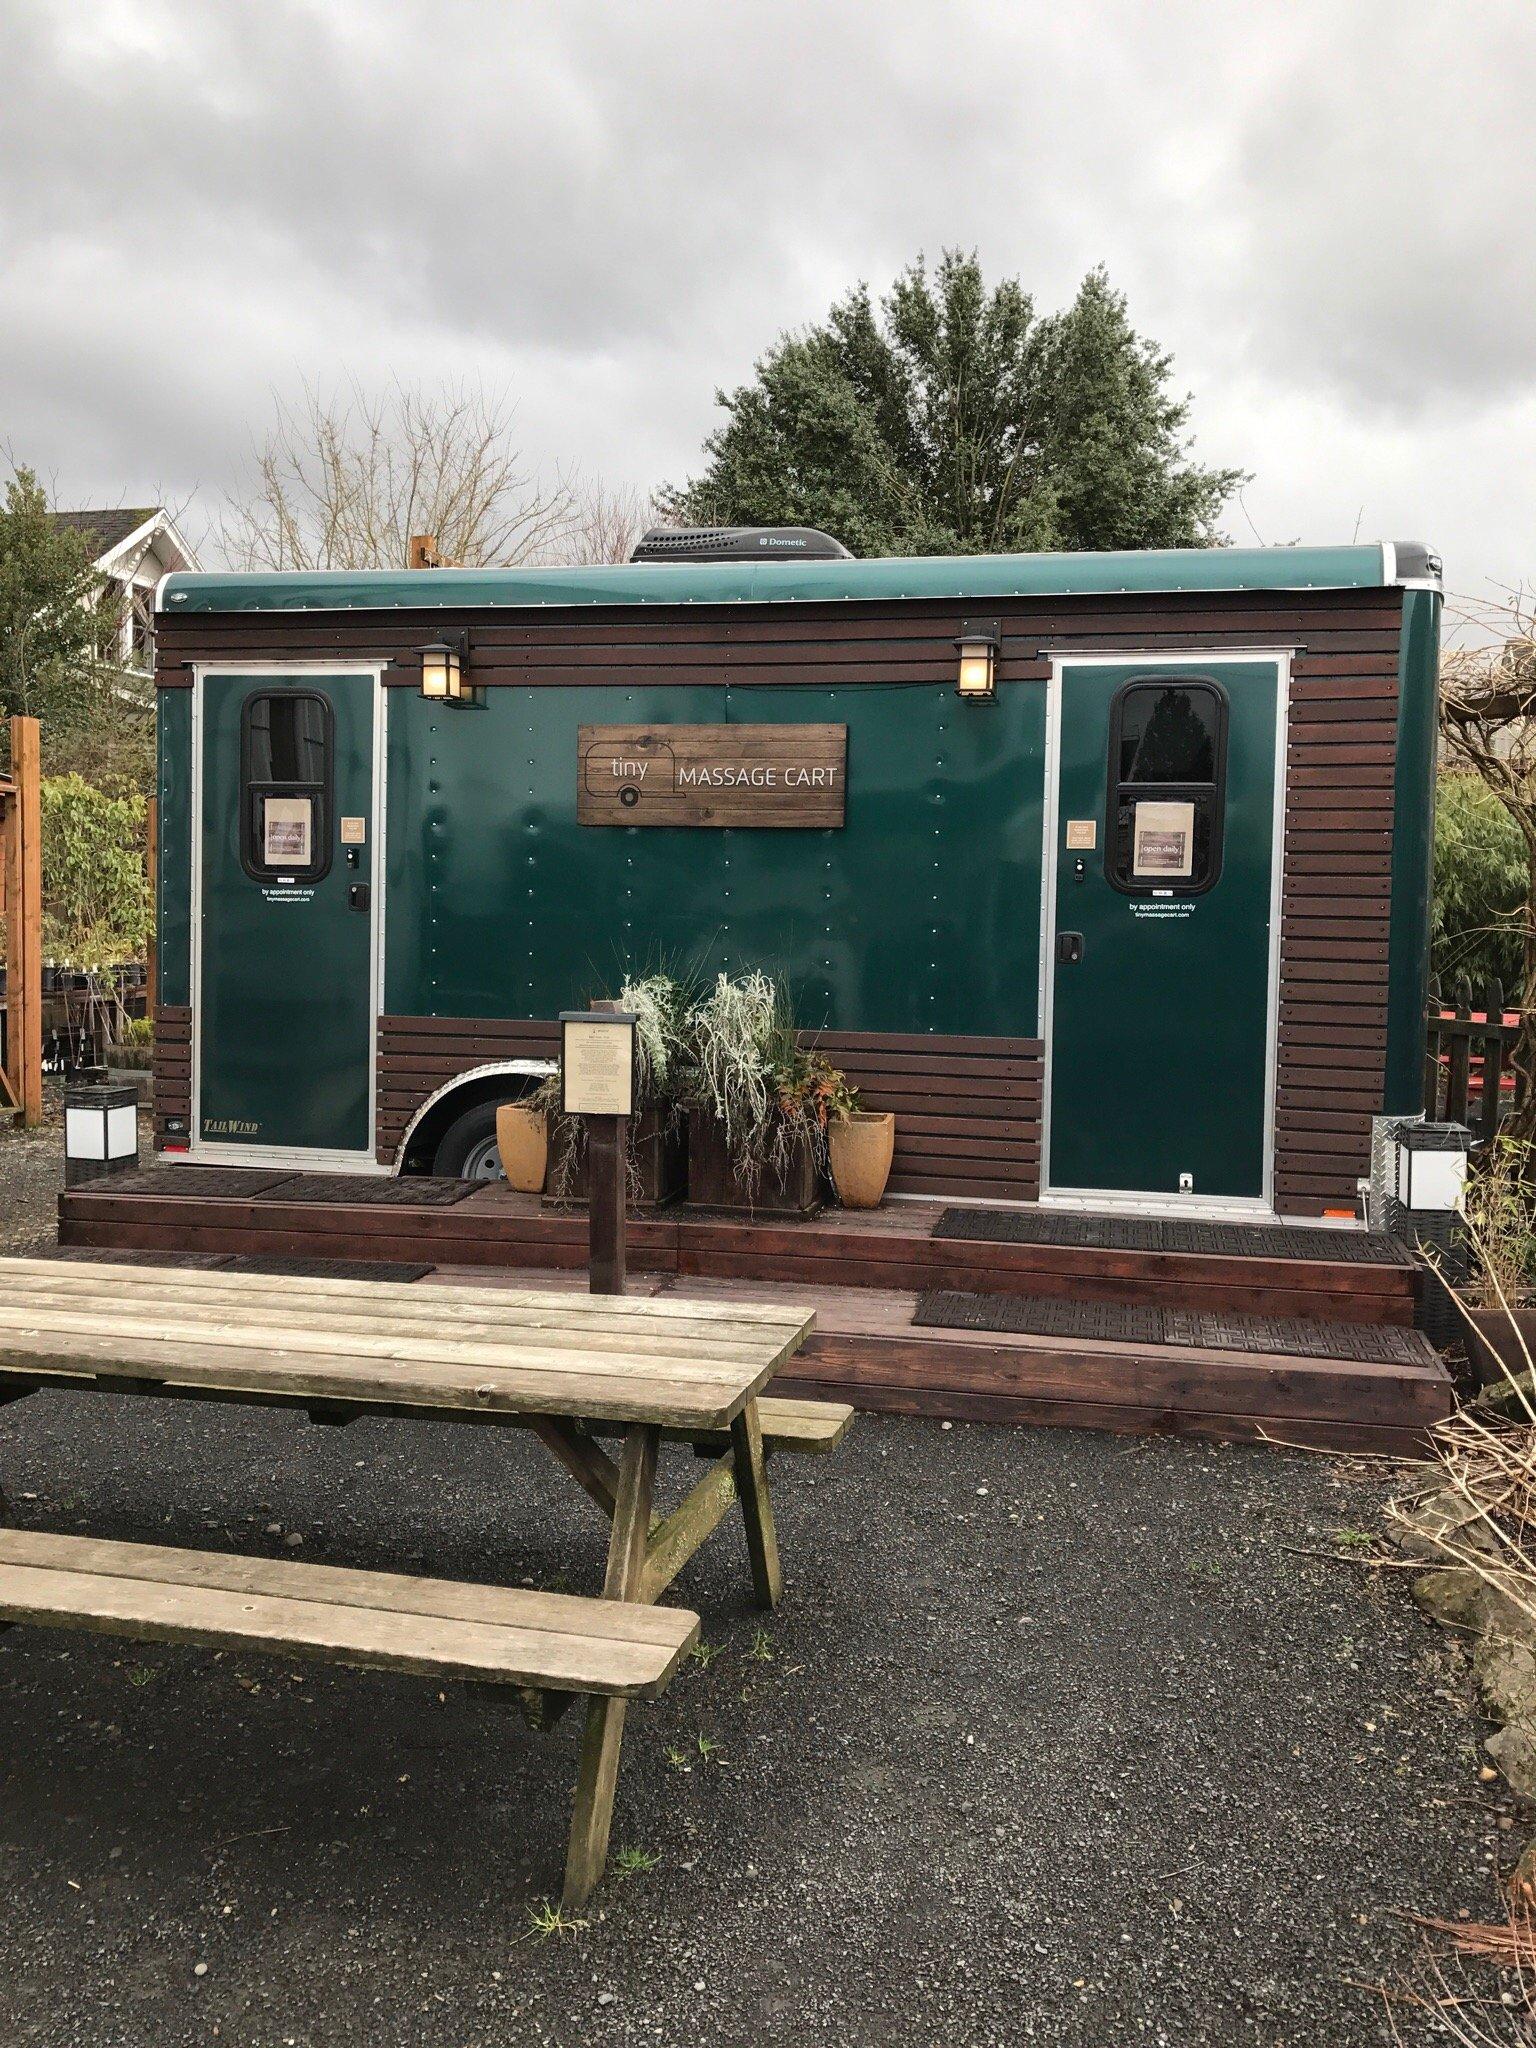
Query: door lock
x,y
357,896
1069,947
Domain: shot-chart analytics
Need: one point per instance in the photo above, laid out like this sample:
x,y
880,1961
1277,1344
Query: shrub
x,y
1480,886
96,908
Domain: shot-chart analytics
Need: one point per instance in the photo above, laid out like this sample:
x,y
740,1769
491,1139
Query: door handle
x,y
1069,947
357,896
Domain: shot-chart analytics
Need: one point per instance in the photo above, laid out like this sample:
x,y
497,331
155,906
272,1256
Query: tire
x,y
467,1149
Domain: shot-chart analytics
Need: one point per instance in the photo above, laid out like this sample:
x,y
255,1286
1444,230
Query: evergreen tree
x,y
953,420
56,628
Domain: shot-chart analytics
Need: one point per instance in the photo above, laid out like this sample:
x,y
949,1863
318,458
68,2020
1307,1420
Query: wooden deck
x,y
862,1273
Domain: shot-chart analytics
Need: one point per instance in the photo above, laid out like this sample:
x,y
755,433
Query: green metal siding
x,y
174,909
967,578
1413,835
921,914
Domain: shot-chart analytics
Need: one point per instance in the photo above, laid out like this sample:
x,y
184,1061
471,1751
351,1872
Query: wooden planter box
x,y
1491,1339
713,1182
658,1151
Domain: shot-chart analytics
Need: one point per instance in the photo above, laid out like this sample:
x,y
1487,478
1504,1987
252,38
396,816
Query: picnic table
x,y
577,1371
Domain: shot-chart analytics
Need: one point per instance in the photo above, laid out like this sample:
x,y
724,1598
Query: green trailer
x,y
1110,873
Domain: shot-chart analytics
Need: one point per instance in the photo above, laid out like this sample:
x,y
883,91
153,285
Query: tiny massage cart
x,y
572,1369
1107,874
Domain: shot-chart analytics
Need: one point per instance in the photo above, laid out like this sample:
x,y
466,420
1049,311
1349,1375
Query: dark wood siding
x,y
172,1082
1338,823
967,1109
418,1055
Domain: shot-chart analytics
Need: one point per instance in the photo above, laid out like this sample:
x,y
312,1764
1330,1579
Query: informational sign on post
x,y
597,1062
597,1083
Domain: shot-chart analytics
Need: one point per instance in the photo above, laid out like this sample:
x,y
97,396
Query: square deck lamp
x,y
979,643
1427,1167
1426,1177
101,1130
442,672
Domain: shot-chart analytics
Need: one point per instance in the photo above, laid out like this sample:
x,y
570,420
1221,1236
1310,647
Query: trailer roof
x,y
1375,565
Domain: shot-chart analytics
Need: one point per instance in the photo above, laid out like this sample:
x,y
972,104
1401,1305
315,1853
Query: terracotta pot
x,y
522,1139
861,1146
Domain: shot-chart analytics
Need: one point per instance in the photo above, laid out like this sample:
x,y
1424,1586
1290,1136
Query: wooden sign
x,y
778,776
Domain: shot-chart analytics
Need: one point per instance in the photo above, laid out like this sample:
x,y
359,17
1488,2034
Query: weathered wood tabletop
x,y
598,1358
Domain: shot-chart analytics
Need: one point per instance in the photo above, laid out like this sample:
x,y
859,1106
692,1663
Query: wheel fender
x,y
535,1069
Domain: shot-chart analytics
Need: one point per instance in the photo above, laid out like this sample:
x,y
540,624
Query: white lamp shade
x,y
101,1133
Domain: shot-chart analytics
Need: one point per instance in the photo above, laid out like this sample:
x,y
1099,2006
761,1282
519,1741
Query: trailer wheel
x,y
467,1149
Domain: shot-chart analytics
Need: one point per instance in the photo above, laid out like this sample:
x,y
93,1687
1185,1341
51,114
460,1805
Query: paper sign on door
x,y
286,823
1164,848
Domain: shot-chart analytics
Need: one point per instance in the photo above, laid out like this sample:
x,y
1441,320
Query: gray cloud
x,y
609,209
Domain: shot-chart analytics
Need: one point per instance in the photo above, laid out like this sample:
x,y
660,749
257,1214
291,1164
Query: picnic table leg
x,y
599,1769
756,1507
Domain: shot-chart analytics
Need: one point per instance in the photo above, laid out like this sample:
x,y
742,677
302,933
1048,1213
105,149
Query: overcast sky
x,y
1324,208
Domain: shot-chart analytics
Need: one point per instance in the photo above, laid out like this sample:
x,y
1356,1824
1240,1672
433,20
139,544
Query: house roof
x,y
960,577
110,526
113,530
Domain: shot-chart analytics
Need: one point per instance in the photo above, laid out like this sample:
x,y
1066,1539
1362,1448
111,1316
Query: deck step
x,y
435,1628
1202,1329
1185,1235
1277,1269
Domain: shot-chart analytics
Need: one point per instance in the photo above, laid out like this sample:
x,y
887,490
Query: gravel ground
x,y
1057,1737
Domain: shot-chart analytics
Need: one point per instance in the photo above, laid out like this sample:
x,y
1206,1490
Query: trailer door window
x,y
1167,770
285,750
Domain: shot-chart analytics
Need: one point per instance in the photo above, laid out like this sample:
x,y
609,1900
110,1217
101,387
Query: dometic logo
x,y
776,540
769,776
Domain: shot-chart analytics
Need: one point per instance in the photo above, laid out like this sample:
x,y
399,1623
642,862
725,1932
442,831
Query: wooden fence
x,y
1467,1075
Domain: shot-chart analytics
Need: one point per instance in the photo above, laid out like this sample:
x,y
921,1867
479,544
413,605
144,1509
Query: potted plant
x,y
657,1139
759,1104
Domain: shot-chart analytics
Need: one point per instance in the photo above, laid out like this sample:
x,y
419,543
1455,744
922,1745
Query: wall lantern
x,y
101,1129
442,672
979,642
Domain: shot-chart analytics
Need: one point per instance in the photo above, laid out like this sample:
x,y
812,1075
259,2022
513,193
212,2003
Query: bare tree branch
x,y
342,481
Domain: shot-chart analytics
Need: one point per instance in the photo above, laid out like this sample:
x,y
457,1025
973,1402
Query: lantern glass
x,y
977,658
440,673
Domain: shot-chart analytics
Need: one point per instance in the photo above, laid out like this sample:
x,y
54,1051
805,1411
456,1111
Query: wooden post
x,y
152,877
607,1194
607,1197
23,854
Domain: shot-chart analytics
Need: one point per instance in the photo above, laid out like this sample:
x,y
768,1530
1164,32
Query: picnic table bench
x,y
572,1369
